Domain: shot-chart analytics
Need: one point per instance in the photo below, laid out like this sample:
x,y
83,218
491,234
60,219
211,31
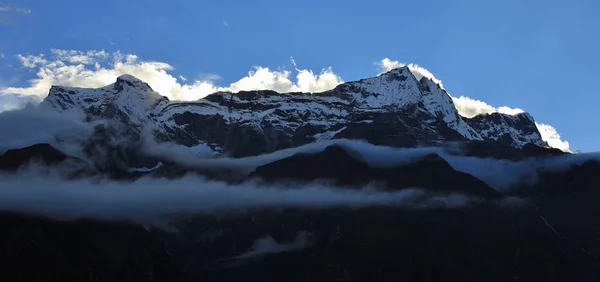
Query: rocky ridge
x,y
392,109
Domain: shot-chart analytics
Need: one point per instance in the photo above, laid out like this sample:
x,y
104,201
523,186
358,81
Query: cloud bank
x,y
32,191
10,102
502,175
150,198
25,127
97,68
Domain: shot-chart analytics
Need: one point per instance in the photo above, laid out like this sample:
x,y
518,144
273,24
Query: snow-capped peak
x,y
128,98
396,102
421,72
400,88
396,88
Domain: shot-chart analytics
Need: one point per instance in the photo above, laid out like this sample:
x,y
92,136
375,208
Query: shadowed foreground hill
x,y
552,238
375,244
431,172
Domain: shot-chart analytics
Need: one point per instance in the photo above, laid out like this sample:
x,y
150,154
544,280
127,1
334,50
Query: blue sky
x,y
540,56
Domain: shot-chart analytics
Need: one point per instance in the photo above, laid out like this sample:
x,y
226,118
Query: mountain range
x,y
379,179
393,109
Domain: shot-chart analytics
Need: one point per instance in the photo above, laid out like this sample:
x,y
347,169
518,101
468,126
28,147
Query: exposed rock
x,y
44,153
393,109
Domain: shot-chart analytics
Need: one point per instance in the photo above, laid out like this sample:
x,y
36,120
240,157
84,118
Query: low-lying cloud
x,y
9,102
149,198
33,192
501,175
25,127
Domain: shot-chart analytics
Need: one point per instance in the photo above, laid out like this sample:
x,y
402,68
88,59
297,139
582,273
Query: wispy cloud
x,y
11,15
14,9
225,23
208,77
147,198
32,61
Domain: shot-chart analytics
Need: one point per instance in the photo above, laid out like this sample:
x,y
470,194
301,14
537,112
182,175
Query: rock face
x,y
521,128
372,244
393,109
13,159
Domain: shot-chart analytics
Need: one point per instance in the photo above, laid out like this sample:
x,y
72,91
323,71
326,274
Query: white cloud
x,y
183,78
225,23
35,125
32,61
24,11
98,68
264,78
1,55
310,82
79,57
208,77
550,135
10,102
468,107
